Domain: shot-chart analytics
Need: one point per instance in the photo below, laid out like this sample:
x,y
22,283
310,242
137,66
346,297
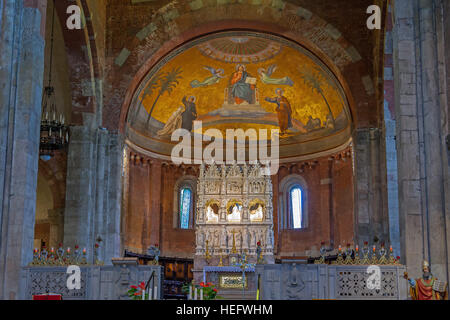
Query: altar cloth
x,y
224,269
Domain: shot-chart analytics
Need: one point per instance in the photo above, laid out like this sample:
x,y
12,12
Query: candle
x,y
195,293
155,293
52,250
68,250
374,248
201,294
190,292
390,248
84,250
150,294
340,248
143,294
356,248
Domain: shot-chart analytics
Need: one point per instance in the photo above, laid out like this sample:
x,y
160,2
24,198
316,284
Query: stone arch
x,y
83,63
154,41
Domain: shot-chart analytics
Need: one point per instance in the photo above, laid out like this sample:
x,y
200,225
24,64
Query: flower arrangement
x,y
135,292
209,290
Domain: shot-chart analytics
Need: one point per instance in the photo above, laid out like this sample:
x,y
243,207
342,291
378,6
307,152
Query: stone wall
x,y
149,215
97,282
291,281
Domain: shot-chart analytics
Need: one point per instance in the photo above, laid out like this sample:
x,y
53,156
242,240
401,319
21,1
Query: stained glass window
x,y
296,205
185,207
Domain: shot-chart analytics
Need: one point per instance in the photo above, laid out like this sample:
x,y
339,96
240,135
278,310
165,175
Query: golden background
x,y
303,99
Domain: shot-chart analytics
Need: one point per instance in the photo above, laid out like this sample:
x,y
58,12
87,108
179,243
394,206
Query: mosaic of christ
x,y
240,80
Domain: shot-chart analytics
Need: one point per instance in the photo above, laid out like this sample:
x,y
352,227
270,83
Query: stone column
x,y
93,191
155,203
21,77
80,189
420,114
370,187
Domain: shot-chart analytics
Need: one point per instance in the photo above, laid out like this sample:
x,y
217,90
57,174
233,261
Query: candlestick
x,y
155,293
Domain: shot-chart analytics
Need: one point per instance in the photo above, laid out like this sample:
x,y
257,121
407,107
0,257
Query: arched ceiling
x,y
204,68
120,36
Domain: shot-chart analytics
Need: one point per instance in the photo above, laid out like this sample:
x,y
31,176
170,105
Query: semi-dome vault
x,y
230,80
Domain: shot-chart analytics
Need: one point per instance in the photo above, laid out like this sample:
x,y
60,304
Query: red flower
x,y
134,287
398,257
366,243
322,243
138,293
258,243
76,246
209,284
142,285
96,245
156,245
202,284
215,290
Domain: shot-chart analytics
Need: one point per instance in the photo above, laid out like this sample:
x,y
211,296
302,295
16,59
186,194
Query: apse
x,y
197,82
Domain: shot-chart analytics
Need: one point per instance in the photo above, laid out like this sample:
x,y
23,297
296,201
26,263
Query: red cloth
x,y
47,297
424,289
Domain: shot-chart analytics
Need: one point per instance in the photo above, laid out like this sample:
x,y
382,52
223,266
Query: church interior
x,y
242,149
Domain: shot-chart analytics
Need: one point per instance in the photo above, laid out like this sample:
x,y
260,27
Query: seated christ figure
x,y
242,91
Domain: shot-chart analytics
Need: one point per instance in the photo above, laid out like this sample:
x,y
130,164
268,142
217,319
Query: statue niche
x,y
212,211
257,209
234,211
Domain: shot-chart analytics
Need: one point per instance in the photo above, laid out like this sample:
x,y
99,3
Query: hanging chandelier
x,y
54,133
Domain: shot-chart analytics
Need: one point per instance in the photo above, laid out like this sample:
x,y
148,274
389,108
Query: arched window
x,y
296,207
185,207
184,202
293,203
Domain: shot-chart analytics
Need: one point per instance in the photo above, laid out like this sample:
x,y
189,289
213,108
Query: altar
x,y
234,220
231,282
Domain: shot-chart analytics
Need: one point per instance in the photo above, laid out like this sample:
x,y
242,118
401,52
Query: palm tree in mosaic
x,y
312,80
148,90
168,82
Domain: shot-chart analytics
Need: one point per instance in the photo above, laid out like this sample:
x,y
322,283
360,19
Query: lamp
x,y
54,133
